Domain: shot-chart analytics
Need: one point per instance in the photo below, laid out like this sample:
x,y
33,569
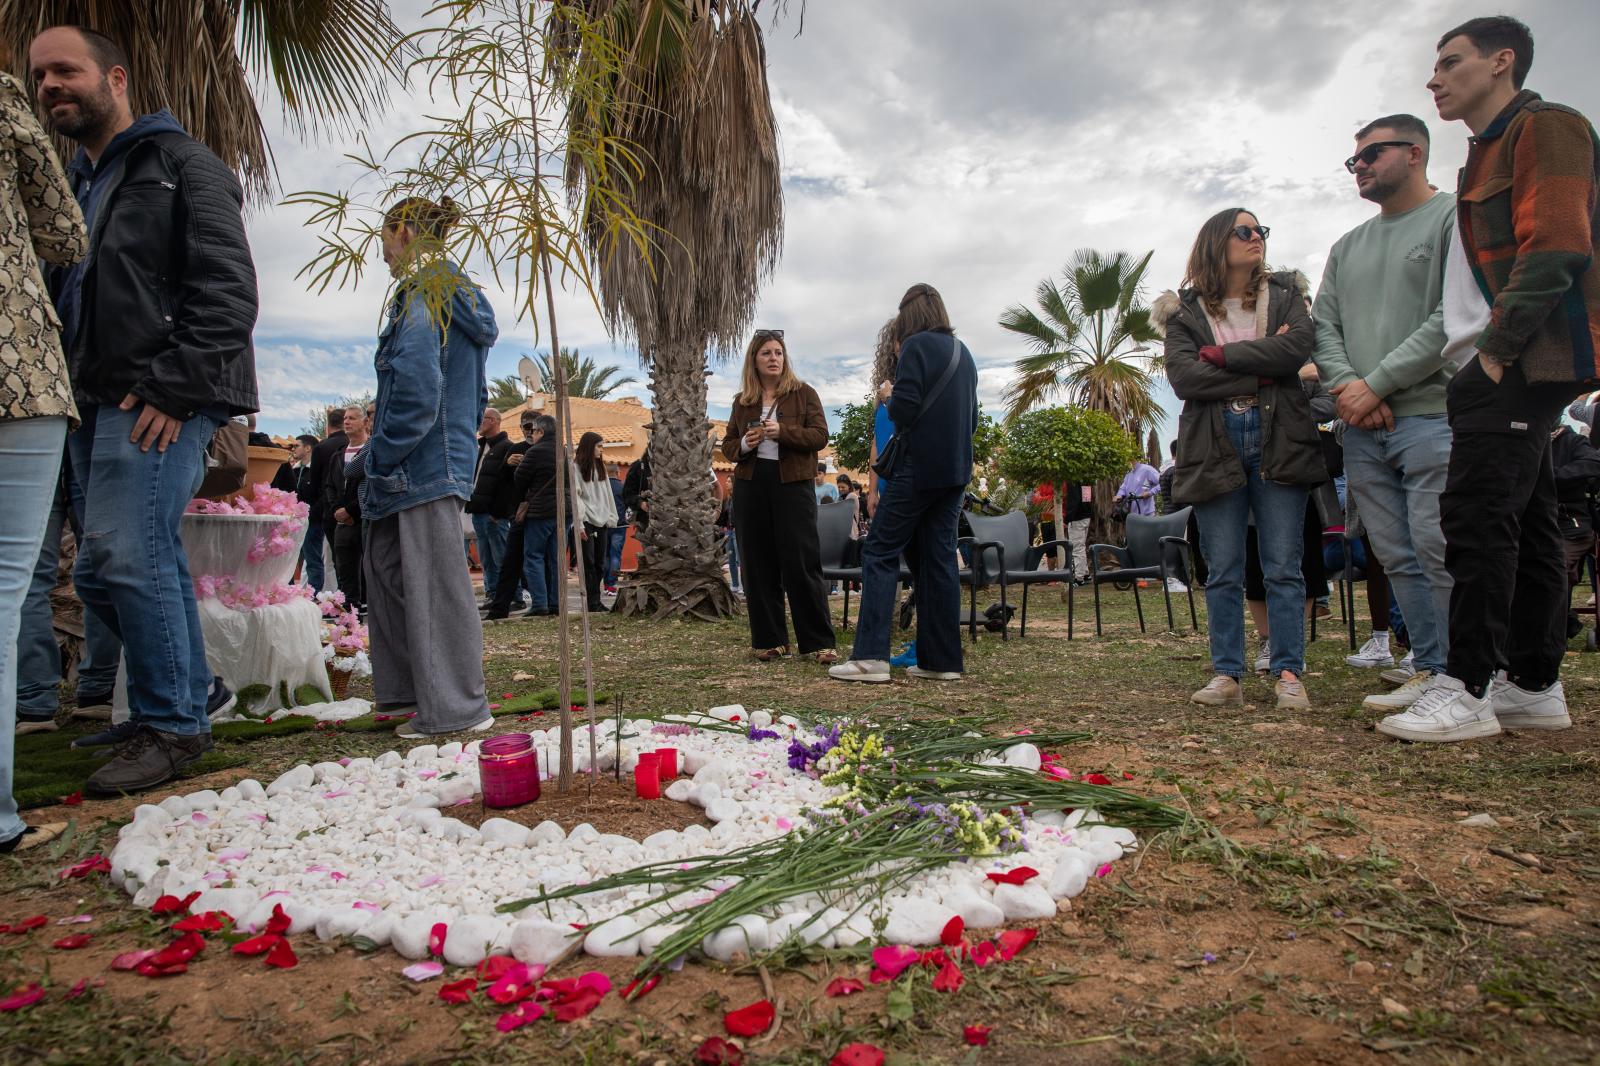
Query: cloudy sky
x,y
975,146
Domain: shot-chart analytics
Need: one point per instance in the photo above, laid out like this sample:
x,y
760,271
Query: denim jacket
x,y
431,396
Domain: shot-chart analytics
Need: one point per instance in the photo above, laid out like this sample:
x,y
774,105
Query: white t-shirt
x,y
1466,313
767,449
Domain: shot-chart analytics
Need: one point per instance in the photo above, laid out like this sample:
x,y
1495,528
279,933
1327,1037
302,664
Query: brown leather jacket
x,y
802,432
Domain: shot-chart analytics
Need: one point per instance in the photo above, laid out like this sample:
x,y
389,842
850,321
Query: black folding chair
x,y
841,554
996,539
1156,548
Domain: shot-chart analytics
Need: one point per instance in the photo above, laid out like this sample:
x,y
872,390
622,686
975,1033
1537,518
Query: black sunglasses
x,y
1369,155
1244,232
769,334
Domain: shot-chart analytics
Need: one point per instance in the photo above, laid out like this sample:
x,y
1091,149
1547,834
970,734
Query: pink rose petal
x,y
363,905
1103,871
894,959
430,880
75,919
423,971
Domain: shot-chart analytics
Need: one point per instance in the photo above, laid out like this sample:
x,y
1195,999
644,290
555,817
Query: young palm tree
x,y
586,379
1088,341
331,63
692,100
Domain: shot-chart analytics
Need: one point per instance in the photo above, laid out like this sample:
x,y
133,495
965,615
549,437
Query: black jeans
x,y
776,524
1502,542
510,573
595,547
347,564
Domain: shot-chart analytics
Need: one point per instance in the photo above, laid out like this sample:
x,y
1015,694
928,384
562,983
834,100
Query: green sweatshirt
x,y
1379,310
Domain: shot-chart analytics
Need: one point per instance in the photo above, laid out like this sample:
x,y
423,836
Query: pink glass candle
x,y
667,758
508,766
647,777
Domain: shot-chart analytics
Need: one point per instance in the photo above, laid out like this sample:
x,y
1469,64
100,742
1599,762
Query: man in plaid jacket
x,y
1522,320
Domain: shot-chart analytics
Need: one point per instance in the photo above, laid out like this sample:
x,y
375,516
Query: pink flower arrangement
x,y
344,636
264,500
244,597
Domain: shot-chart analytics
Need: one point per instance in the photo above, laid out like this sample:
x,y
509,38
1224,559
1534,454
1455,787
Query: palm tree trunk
x,y
680,569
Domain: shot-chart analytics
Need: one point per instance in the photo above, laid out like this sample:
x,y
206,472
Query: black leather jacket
x,y
169,297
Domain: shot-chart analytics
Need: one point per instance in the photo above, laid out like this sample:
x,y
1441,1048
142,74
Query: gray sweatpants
x,y
422,619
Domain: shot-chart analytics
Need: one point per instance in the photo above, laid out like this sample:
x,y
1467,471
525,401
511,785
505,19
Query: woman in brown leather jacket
x,y
774,433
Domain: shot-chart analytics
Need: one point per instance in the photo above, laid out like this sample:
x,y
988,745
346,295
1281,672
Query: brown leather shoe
x,y
149,758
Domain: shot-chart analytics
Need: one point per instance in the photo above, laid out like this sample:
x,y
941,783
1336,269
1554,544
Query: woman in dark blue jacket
x,y
934,407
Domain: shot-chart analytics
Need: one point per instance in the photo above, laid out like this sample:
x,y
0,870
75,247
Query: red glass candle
x,y
668,760
647,777
508,766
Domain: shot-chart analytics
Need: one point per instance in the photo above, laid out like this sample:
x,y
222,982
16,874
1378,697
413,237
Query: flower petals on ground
x,y
1014,940
715,1051
26,996
73,942
977,1035
419,971
953,931
94,864
858,1055
949,978
458,991
844,986
895,959
1020,876
282,956
520,1015
751,1020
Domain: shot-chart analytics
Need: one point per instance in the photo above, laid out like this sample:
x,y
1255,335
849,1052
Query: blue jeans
x,y
1398,476
38,654
1280,513
492,533
733,559
30,463
619,537
132,570
311,556
923,523
540,567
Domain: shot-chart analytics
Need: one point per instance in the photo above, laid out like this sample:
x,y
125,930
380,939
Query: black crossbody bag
x,y
890,456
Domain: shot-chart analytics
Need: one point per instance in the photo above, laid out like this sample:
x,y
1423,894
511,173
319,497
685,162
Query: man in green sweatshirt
x,y
1380,339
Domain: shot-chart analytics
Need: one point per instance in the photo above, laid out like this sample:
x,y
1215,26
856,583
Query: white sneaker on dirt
x,y
1403,672
1404,696
1445,712
1174,585
1220,691
933,675
1264,657
1375,652
1291,693
872,671
1518,708
409,730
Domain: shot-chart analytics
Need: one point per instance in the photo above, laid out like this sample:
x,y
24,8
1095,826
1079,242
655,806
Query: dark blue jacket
x,y
939,448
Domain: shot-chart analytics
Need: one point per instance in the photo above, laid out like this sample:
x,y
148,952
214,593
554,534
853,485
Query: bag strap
x,y
938,386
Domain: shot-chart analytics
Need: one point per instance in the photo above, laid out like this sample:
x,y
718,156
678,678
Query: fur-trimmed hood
x,y
1166,305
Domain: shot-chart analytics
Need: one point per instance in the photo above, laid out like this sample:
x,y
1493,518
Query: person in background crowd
x,y
346,507
427,641
933,401
1576,466
596,513
1236,338
319,524
489,526
1380,345
505,596
730,540
156,324
38,217
1139,488
636,491
536,485
1522,321
826,492
292,474
885,361
1583,409
619,535
774,432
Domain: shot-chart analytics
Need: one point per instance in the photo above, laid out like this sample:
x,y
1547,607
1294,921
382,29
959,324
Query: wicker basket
x,y
338,682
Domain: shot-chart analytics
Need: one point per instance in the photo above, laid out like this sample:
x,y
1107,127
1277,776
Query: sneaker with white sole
x,y
1445,712
1220,691
1176,586
1404,696
933,675
1374,653
1264,657
1291,694
1518,708
409,730
872,671
1403,672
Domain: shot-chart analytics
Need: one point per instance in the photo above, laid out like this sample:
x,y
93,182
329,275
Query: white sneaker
x,y
1402,697
1444,713
933,675
1402,673
1375,652
409,730
1264,657
872,671
1518,708
1174,585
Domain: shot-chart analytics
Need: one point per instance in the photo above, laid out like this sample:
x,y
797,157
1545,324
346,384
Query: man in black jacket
x,y
295,475
1577,472
535,480
156,324
506,499
490,527
319,524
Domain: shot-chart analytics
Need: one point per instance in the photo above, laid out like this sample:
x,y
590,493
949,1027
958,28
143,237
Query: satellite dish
x,y
528,371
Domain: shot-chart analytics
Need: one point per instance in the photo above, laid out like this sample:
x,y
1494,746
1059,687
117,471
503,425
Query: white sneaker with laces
x,y
1445,712
1264,657
1402,673
933,675
871,671
1518,708
1402,697
1375,652
1174,585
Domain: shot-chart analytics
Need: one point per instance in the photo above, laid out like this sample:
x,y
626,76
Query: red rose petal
x,y
27,925
715,1051
977,1035
949,978
1014,940
520,1015
954,929
436,938
279,923
79,987
74,799
148,968
983,953
1020,876
639,989
844,986
495,966
26,996
209,922
748,1021
282,956
94,864
581,1002
459,991
858,1055
1097,779
257,945
173,905
130,960
72,943
182,949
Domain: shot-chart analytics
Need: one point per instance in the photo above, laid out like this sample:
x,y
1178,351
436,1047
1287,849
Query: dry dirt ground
x,y
1349,918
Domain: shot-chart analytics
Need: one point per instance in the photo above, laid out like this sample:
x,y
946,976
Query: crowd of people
x,y
1447,337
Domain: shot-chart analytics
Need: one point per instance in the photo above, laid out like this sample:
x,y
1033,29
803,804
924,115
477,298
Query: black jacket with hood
x,y
165,304
1268,368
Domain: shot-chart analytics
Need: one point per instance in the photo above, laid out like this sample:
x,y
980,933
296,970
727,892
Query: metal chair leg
x,y
1138,605
1095,580
1005,630
1022,631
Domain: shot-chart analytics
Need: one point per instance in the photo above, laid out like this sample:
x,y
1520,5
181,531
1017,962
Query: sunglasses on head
x,y
1244,232
1369,155
769,334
